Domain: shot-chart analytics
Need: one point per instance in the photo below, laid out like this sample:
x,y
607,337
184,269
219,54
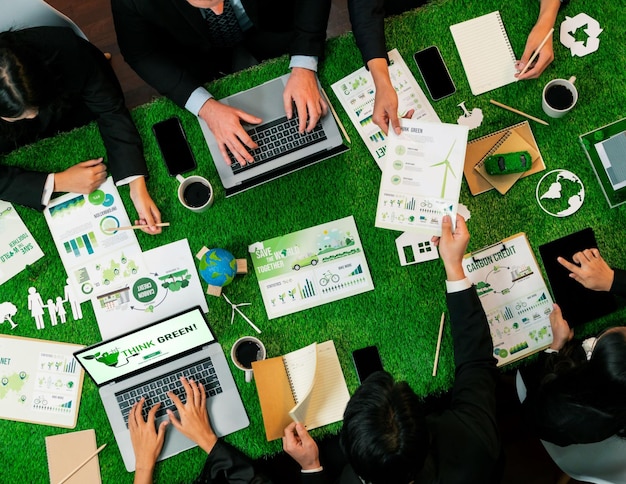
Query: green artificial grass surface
x,y
402,314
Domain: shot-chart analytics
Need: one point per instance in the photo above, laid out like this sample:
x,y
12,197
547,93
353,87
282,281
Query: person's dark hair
x,y
591,390
23,78
384,434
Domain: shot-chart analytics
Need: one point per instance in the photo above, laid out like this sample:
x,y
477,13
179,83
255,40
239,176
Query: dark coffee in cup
x,y
196,194
559,97
247,352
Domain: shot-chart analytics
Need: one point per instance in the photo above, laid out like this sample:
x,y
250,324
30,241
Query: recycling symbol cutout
x,y
570,25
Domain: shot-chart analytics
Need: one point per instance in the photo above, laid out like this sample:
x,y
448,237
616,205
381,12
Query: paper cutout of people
x,y
60,309
35,306
70,296
52,311
7,311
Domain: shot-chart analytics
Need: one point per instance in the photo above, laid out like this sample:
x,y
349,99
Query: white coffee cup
x,y
192,193
246,350
558,104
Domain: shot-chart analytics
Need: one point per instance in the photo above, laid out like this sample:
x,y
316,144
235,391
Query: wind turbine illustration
x,y
446,162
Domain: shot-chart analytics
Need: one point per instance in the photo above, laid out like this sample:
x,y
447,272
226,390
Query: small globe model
x,y
218,267
560,193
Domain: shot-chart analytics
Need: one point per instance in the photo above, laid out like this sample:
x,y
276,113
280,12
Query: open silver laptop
x,y
281,149
148,362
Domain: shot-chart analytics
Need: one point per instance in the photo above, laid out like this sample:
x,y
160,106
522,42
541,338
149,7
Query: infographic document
x,y
94,253
311,267
357,93
514,296
422,173
40,381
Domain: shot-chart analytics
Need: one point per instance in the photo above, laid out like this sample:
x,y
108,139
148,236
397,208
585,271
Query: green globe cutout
x,y
96,197
560,193
218,267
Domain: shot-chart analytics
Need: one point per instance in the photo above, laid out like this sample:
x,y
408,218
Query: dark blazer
x,y
465,447
167,41
367,19
225,464
90,90
548,409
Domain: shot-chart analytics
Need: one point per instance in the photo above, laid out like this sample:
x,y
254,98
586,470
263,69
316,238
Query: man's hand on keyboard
x,y
193,419
225,124
147,441
302,89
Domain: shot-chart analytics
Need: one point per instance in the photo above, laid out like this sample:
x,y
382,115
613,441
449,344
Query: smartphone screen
x,y
174,146
366,361
434,72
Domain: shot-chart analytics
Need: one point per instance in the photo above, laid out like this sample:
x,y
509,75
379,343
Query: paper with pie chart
x,y
94,254
422,174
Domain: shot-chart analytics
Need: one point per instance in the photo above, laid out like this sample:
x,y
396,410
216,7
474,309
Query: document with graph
x,y
40,381
356,92
421,180
94,252
514,296
311,267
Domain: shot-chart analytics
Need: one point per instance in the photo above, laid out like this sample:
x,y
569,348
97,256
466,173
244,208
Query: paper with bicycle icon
x,y
311,267
422,174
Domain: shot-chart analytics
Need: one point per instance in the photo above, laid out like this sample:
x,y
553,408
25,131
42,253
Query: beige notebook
x,y
518,137
306,385
67,451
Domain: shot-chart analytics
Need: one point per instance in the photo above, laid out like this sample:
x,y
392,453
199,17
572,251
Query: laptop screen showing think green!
x,y
148,362
282,149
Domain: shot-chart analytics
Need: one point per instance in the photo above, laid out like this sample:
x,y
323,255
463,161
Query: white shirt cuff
x,y
458,286
312,471
48,190
197,100
304,61
127,180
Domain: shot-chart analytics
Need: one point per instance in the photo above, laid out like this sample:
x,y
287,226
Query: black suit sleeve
x,y
143,45
367,18
310,23
619,283
23,187
227,464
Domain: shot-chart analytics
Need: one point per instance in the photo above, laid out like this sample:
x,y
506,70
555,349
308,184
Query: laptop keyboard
x,y
155,390
278,138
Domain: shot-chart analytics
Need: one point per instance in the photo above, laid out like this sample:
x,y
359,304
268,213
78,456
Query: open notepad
x,y
485,51
306,385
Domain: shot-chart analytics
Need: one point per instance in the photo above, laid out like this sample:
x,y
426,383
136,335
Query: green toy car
x,y
505,163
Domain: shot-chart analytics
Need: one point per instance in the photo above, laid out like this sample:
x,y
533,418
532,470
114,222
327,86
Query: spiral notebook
x,y
518,137
486,52
306,385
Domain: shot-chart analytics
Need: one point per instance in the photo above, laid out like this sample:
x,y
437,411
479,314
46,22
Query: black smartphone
x,y
174,147
366,361
434,72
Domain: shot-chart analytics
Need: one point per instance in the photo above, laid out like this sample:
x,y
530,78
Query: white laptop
x,y
148,362
281,149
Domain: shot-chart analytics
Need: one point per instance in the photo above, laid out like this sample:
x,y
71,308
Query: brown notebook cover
x,y
518,137
67,451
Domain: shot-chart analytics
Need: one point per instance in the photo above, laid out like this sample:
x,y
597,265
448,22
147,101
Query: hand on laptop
x,y
225,124
147,441
590,270
193,419
302,89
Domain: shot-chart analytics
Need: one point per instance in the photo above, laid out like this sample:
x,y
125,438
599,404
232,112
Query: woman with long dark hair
x,y
53,81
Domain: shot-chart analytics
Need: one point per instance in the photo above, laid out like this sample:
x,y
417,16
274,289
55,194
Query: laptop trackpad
x,y
265,103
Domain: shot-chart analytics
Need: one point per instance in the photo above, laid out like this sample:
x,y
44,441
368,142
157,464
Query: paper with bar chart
x,y
40,381
94,254
421,180
514,296
357,92
311,267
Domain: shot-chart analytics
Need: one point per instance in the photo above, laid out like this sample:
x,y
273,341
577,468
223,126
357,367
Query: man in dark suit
x,y
178,45
386,437
51,81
